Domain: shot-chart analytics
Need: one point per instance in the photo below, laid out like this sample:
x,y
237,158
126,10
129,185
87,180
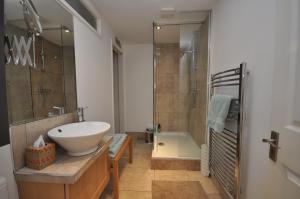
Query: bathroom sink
x,y
79,138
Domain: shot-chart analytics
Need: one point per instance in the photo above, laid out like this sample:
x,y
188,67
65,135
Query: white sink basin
x,y
79,138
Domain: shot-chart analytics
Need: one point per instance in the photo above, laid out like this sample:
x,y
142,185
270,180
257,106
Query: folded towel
x,y
116,144
218,111
116,138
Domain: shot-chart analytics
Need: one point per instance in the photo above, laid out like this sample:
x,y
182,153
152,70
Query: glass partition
x,y
180,87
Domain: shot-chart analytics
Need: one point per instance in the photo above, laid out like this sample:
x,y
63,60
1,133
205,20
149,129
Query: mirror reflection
x,y
40,60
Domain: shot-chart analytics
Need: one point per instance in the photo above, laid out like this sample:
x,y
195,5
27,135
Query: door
x,y
283,176
116,91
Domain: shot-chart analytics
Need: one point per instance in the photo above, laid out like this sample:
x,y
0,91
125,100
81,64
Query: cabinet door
x,y
37,190
92,183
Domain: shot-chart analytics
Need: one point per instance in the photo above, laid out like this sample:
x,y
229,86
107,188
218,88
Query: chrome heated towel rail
x,y
226,147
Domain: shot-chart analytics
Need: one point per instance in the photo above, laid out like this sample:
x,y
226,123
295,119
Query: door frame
x,y
115,48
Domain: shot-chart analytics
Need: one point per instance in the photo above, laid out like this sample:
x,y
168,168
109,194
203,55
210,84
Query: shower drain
x,y
161,144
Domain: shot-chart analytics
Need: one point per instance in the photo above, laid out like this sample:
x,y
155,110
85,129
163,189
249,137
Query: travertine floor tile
x,y
136,179
170,175
135,195
177,190
139,161
209,186
206,182
194,175
142,148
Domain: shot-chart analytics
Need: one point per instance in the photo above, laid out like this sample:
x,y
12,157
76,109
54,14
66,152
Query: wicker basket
x,y
39,158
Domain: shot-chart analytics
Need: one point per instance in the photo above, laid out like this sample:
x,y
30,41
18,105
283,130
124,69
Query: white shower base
x,y
175,145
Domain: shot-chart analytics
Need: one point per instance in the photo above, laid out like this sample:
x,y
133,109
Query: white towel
x,y
218,111
116,144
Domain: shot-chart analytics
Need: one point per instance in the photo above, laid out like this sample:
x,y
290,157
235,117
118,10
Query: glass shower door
x,y
180,88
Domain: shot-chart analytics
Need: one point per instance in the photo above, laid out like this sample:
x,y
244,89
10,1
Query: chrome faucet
x,y
80,113
61,110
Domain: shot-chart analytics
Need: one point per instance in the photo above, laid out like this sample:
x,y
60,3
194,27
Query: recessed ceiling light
x,y
157,27
65,29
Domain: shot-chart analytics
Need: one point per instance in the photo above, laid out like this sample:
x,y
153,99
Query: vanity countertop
x,y
66,169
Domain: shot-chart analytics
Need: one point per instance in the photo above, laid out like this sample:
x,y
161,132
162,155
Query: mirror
x,y
40,60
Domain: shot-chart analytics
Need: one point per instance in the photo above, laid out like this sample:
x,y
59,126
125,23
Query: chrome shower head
x,y
31,17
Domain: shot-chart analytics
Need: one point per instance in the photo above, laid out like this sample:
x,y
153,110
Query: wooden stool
x,y
114,162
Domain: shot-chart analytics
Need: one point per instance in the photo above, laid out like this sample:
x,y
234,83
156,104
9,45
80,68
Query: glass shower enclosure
x,y
180,88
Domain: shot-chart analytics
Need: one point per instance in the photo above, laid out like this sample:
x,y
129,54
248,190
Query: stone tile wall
x,y
47,82
24,135
172,89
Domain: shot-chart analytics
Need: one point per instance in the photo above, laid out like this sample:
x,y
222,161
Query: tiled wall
x,y
18,86
24,135
172,89
32,92
48,82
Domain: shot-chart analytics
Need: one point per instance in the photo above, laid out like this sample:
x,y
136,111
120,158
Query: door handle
x,y
273,142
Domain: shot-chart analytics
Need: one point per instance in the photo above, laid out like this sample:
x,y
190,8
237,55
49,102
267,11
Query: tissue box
x,y
39,158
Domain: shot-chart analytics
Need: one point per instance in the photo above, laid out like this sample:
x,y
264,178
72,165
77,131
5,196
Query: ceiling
x,y
132,20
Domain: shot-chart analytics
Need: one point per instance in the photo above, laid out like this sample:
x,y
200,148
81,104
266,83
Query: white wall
x,y
138,86
6,170
94,71
244,31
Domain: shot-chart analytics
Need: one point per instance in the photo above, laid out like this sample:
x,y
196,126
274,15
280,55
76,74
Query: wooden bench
x,y
114,162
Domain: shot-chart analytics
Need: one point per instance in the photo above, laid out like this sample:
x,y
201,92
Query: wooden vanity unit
x,y
69,177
